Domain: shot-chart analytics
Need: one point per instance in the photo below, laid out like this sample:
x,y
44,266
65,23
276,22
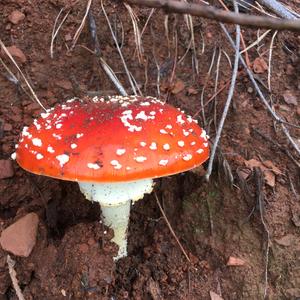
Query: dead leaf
x,y
192,91
243,173
214,296
286,240
271,166
289,97
17,53
268,168
178,87
259,65
269,177
154,289
235,261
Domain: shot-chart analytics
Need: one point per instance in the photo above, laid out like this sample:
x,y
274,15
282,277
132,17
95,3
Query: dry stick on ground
x,y
27,83
106,68
137,33
56,30
13,277
171,229
282,148
262,97
77,33
270,60
277,8
260,199
229,98
119,50
219,15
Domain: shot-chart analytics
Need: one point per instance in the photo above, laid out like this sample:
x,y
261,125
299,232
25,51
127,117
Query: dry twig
x,y
119,50
219,15
262,97
229,98
78,31
13,277
171,229
106,68
56,30
26,81
260,199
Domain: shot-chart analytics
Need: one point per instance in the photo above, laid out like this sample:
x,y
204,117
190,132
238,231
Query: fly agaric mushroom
x,y
113,148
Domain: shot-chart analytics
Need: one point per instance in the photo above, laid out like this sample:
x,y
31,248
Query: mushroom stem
x,y
117,218
115,200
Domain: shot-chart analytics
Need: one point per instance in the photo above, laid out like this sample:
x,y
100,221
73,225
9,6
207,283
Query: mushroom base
x,y
115,200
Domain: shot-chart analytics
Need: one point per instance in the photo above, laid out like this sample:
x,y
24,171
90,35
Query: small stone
x,y
84,248
16,16
235,261
17,53
20,237
7,127
64,84
250,90
6,168
289,97
68,37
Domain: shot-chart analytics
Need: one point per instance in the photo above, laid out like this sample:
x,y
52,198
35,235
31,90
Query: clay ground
x,y
229,217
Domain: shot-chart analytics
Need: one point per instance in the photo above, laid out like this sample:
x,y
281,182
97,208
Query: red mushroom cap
x,y
117,139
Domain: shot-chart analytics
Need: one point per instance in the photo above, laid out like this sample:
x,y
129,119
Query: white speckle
x,y
36,124
16,146
162,131
48,127
152,113
140,159
180,120
187,157
203,135
104,232
163,162
205,145
50,149
185,132
39,156
94,166
180,143
200,151
153,146
120,151
128,168
57,136
73,146
26,133
58,126
13,156
141,115
193,143
169,126
79,135
143,144
145,104
166,147
45,115
63,159
116,164
37,142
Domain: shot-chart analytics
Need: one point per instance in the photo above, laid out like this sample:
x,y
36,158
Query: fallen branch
x,y
278,8
229,98
219,15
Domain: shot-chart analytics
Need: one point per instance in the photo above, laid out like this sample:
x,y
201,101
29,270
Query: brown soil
x,y
73,255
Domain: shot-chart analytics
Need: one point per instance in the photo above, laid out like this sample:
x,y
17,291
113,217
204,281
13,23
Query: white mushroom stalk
x,y
115,201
